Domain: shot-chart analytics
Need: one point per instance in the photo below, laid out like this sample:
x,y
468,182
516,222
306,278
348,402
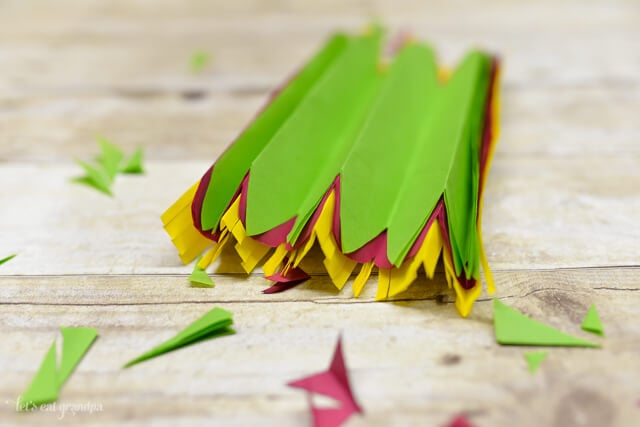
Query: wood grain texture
x,y
561,217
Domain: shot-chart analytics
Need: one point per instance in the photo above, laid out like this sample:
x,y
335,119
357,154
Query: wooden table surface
x,y
561,217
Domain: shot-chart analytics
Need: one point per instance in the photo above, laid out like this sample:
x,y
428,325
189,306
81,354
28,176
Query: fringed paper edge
x,y
190,242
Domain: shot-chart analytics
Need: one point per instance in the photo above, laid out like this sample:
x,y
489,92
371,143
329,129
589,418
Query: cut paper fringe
x,y
278,256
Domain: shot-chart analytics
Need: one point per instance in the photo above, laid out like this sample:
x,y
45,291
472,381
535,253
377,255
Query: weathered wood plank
x,y
143,49
566,123
540,212
446,364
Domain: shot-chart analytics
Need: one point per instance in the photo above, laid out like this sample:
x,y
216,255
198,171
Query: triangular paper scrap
x,y
215,323
134,164
514,328
534,359
5,259
56,368
591,322
333,383
110,157
109,163
378,163
95,177
199,61
199,277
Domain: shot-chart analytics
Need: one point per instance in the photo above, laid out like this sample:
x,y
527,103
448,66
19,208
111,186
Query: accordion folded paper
x,y
215,323
382,164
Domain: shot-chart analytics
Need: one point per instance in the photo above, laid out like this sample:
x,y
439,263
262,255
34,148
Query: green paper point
x,y
514,328
134,164
44,386
96,178
591,322
75,343
215,323
53,373
534,359
200,278
110,157
199,60
9,258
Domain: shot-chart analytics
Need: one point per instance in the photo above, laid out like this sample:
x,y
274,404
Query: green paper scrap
x,y
44,386
199,277
96,178
383,139
109,163
199,60
215,323
9,258
110,157
591,322
134,164
54,372
534,359
514,328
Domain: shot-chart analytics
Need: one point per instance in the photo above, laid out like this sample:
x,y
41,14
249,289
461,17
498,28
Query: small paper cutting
x,y
199,277
5,259
591,322
199,60
96,178
333,383
110,157
380,164
134,164
56,368
514,328
534,359
216,323
286,280
108,164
